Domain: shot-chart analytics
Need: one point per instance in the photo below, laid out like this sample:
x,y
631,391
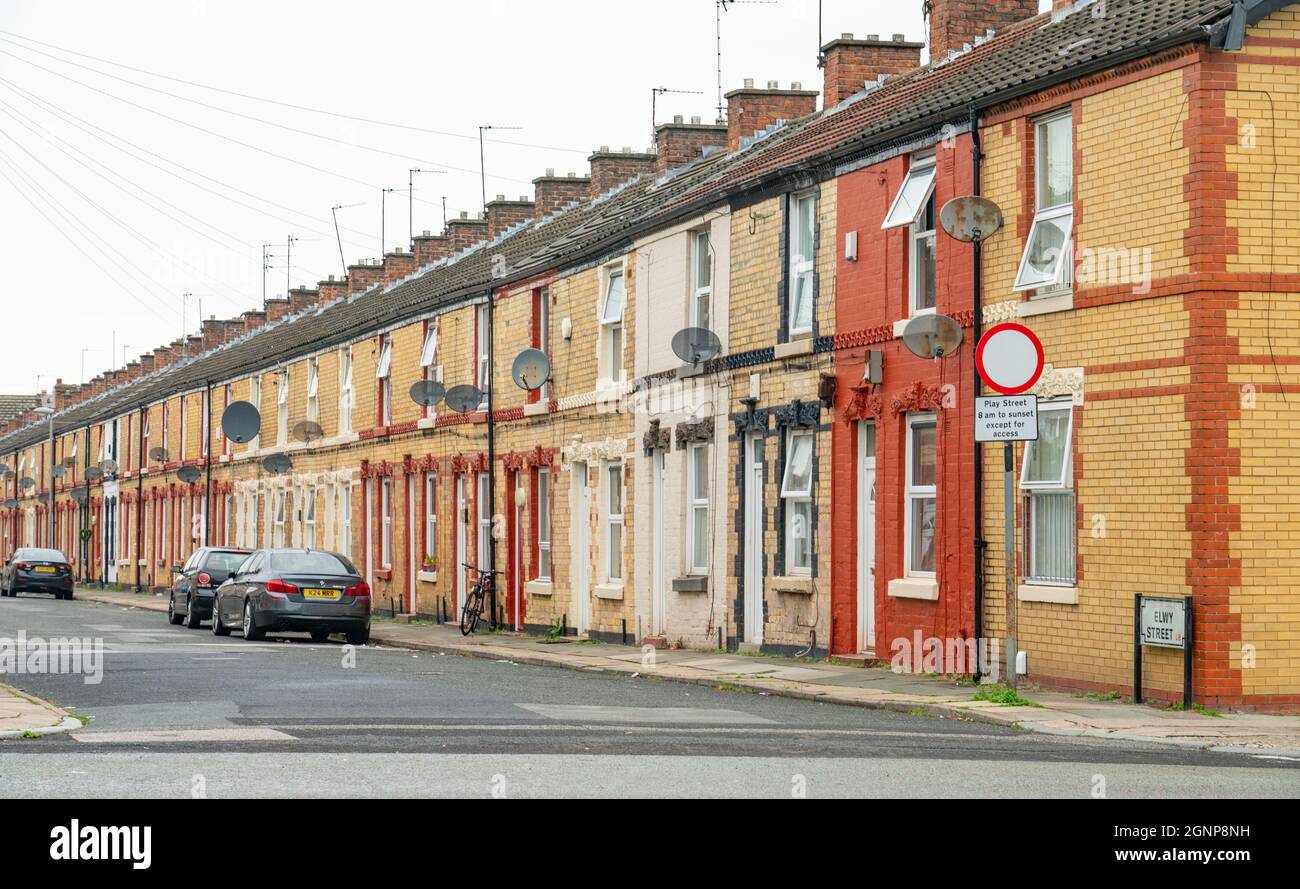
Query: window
x,y
280,498
697,515
1048,483
309,519
484,510
796,491
386,516
921,498
345,389
543,496
228,397
165,429
185,426
702,284
483,352
429,353
430,522
382,373
313,390
345,520
1047,253
611,323
282,407
917,190
542,338
204,424
802,237
614,521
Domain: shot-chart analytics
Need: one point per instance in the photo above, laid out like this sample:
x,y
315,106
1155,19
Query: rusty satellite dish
x,y
971,218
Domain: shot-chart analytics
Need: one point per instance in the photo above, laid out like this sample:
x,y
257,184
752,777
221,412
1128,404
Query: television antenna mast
x,y
655,93
410,203
723,6
334,211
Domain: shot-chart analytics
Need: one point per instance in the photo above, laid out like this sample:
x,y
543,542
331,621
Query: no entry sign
x,y
1010,359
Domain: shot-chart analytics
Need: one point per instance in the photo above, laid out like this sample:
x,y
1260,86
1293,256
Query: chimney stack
x,y
612,168
214,333
956,23
302,298
679,143
430,248
849,64
751,109
503,215
253,320
363,276
332,290
466,232
64,394
147,364
276,309
555,192
398,264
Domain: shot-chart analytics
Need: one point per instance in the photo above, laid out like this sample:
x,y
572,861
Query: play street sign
x,y
1009,359
1006,418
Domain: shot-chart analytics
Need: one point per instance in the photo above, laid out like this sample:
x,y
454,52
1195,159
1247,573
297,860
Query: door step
x,y
749,648
660,643
860,659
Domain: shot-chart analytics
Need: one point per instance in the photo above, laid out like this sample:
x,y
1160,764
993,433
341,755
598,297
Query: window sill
x,y
695,583
1061,302
427,423
613,591
901,324
539,588
427,576
923,588
799,344
537,409
1060,595
799,585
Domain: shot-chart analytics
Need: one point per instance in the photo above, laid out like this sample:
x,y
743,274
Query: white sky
x,y
113,260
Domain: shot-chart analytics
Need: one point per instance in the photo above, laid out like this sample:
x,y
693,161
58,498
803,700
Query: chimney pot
x,y
677,118
900,38
749,83
847,35
773,85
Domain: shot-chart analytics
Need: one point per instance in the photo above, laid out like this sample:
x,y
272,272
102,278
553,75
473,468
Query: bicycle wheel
x,y
469,615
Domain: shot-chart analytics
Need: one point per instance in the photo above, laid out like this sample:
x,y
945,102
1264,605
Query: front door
x,y
659,605
755,509
462,518
412,559
581,548
866,536
110,539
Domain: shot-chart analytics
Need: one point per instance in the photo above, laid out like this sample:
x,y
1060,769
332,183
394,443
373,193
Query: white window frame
x,y
611,323
309,518
383,373
798,499
429,352
282,407
482,499
280,506
701,293
544,337
697,509
386,530
543,529
1041,488
914,492
185,429
345,522
913,195
313,389
1061,215
922,172
345,389
802,265
483,355
614,563
254,398
205,423
430,516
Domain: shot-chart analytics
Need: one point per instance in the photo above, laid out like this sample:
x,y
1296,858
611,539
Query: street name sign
x,y
1163,622
1006,418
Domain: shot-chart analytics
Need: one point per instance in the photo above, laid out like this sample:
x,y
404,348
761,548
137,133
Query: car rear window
x,y
41,555
310,563
226,562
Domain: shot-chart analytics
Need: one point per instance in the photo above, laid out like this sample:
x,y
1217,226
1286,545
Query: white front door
x,y
412,566
866,536
755,508
581,549
462,516
659,603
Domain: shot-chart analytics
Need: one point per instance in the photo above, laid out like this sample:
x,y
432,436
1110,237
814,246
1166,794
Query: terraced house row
x,y
813,488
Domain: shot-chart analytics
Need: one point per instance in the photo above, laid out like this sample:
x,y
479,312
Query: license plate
x,y
41,569
331,595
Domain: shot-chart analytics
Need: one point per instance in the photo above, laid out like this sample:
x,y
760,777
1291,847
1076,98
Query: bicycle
x,y
477,599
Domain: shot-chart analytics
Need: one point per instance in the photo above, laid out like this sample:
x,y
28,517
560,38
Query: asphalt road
x,y
181,713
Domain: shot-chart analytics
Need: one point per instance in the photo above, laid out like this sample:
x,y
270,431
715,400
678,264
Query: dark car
x,y
32,570
196,582
303,590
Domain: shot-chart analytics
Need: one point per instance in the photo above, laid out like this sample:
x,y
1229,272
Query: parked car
x,y
33,570
294,589
195,583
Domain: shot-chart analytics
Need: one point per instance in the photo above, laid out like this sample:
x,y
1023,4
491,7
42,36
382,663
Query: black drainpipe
x,y
977,274
139,506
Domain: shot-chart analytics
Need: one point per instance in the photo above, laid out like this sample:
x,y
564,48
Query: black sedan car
x,y
303,590
195,583
32,570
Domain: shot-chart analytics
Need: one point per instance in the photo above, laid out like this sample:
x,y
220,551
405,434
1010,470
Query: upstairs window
x,y
345,389
1047,481
1047,259
483,353
313,390
803,230
204,423
542,337
383,372
185,426
702,281
917,190
611,323
282,408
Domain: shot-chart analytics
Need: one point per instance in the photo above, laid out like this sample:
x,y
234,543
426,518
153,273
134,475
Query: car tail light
x,y
360,591
204,578
23,566
280,588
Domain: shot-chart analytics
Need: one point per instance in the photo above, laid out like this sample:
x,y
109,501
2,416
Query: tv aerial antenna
x,y
656,92
334,211
723,6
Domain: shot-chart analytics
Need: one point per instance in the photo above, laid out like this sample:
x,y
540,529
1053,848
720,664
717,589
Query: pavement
x,y
1051,713
23,716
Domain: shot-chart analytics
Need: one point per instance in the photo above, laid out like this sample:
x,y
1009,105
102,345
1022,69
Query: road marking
x,y
182,736
664,715
625,729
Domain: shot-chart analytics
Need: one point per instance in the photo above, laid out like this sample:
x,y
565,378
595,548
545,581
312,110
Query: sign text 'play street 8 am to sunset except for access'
x,y
1006,418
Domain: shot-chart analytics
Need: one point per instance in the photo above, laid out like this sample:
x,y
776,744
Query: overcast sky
x,y
119,198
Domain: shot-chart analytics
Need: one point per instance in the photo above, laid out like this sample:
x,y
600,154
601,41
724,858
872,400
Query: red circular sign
x,y
1010,359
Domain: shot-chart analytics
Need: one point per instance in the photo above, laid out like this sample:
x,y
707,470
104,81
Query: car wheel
x,y
218,628
172,617
358,637
251,632
192,619
319,635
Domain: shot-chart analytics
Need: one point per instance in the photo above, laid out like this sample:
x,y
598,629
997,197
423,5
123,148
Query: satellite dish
x,y
971,218
427,393
11,503
57,471
696,344
463,399
158,455
189,474
241,422
932,336
277,463
43,498
94,473
531,369
307,431
109,466
79,495
27,482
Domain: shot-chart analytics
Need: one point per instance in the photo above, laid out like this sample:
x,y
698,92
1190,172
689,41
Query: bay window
x,y
1046,479
802,236
922,497
1048,260
796,493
